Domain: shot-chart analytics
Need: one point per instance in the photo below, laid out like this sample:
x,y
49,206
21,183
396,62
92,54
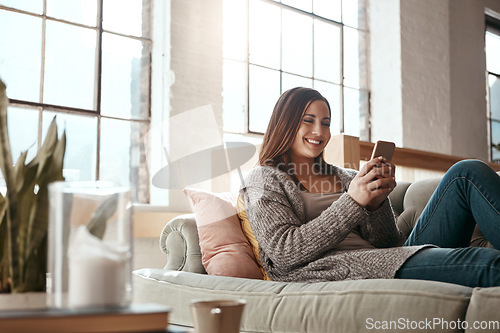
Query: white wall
x,y
439,78
385,77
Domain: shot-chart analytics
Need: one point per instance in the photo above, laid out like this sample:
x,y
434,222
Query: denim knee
x,y
468,167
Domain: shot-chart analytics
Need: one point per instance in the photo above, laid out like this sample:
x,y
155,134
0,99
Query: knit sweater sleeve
x,y
381,229
278,223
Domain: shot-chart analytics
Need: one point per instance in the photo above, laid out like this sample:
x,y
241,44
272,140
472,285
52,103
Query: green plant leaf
x,y
24,210
4,263
97,225
51,172
13,276
5,151
47,148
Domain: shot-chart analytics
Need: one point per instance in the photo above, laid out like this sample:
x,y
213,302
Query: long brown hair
x,y
284,125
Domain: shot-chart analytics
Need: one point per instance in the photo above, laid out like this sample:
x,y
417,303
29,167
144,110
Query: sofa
x,y
344,306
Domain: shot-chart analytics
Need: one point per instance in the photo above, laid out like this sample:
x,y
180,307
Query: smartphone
x,y
383,148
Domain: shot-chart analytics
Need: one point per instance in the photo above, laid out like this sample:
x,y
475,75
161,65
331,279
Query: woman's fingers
x,y
383,170
371,164
381,183
373,183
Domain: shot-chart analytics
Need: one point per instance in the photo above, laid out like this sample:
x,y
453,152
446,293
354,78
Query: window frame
x,y
362,88
492,25
41,107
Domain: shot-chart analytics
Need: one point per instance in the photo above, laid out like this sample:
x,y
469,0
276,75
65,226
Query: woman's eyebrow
x,y
314,116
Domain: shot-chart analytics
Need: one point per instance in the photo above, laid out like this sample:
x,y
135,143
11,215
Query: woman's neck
x,y
303,167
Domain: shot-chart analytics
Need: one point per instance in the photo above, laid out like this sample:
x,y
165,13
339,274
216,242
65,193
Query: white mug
x,y
217,316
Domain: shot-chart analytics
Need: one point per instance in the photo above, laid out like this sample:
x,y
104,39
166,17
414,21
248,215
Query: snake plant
x,y
24,208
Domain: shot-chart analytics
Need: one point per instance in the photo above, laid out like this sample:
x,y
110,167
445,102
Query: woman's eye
x,y
326,124
308,121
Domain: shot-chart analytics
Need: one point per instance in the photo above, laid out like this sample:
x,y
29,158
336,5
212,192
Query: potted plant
x,y
24,208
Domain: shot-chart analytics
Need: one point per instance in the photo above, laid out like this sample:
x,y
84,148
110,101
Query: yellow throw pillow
x,y
248,232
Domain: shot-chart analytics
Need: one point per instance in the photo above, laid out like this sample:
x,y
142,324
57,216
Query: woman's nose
x,y
316,130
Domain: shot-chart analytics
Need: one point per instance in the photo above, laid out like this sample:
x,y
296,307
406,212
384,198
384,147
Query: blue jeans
x,y
469,193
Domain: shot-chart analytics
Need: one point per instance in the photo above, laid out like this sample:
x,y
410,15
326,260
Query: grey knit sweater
x,y
292,249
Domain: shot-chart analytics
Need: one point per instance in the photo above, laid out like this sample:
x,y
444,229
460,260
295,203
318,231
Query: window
x,y
492,43
271,46
88,63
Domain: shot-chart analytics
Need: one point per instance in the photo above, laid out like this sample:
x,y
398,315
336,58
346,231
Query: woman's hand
x,y
373,183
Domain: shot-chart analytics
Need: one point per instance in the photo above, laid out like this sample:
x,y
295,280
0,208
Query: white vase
x,y
23,301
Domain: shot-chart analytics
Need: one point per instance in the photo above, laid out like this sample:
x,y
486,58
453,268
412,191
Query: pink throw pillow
x,y
224,248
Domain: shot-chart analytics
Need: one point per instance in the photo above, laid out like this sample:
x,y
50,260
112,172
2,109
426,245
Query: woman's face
x,y
314,132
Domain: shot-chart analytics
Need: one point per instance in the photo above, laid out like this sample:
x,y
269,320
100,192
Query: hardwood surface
x,y
343,151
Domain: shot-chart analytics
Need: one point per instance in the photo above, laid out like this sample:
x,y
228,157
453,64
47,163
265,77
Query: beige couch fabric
x,y
345,306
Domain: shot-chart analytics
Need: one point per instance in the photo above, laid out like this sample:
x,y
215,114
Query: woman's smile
x,y
314,142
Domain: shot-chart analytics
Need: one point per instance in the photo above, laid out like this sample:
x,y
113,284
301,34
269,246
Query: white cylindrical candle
x,y
97,272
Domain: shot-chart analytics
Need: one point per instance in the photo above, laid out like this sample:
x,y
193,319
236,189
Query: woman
x,y
318,222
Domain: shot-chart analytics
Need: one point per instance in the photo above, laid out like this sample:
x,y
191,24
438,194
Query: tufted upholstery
x,y
179,241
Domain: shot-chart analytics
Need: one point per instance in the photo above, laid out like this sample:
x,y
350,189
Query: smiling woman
x,y
318,222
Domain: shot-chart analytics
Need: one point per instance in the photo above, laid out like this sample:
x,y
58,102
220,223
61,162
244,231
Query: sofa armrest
x,y
179,241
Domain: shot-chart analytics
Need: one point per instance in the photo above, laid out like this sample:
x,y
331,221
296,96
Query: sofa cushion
x,y
224,249
483,310
343,306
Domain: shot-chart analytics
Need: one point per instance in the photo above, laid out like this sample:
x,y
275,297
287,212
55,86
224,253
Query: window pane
x,y
495,138
34,6
234,95
79,11
327,51
289,81
355,60
300,4
23,131
332,93
133,18
330,9
354,13
264,92
356,115
492,52
235,29
122,151
69,66
125,77
494,96
20,62
265,38
81,144
297,43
